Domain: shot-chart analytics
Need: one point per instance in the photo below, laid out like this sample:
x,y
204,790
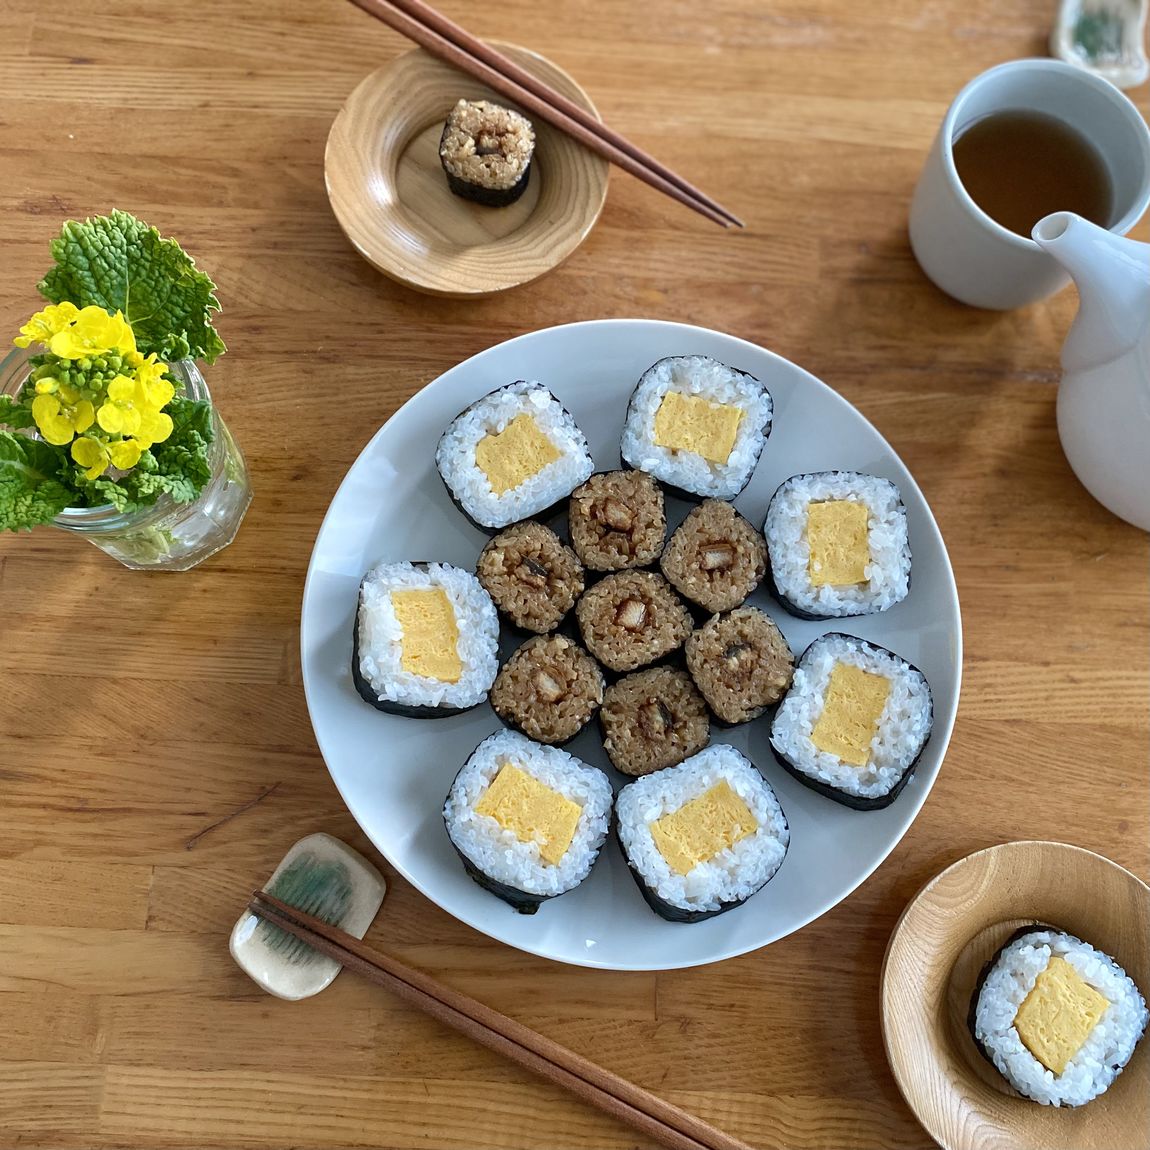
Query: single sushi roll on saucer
x,y
549,689
631,618
854,722
617,520
653,719
702,837
715,558
426,640
1058,1018
838,544
532,577
486,152
514,454
527,820
741,663
697,426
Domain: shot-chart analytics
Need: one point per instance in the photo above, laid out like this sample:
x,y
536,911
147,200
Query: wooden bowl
x,y
390,195
945,937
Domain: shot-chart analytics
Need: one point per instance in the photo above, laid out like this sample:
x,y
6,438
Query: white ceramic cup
x,y
959,246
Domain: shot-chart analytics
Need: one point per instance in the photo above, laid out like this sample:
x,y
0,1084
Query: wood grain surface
x,y
155,754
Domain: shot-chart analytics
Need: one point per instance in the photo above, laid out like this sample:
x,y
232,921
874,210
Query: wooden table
x,y
155,752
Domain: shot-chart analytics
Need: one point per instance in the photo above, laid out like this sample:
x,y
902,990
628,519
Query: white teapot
x,y
1104,397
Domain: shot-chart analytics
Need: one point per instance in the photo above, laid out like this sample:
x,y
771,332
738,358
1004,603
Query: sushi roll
x,y
702,837
527,820
531,576
741,663
697,425
715,558
486,151
1058,1018
549,689
653,719
632,618
838,544
854,722
426,640
514,454
617,520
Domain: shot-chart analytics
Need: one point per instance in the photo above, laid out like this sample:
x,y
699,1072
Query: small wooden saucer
x,y
390,195
938,949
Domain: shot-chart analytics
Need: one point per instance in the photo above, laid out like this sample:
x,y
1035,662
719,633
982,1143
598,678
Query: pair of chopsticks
x,y
660,1120
447,40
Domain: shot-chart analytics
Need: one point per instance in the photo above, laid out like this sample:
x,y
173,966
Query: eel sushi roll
x,y
702,837
838,544
741,663
486,151
632,618
426,640
549,689
617,520
514,454
531,576
527,820
854,722
653,719
697,426
1058,1018
715,558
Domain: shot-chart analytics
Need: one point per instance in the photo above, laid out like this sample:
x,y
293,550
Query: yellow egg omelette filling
x,y
429,646
837,535
851,711
520,803
690,423
511,456
699,829
1058,1014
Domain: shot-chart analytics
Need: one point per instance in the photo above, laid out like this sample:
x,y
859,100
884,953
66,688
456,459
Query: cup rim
x,y
1122,102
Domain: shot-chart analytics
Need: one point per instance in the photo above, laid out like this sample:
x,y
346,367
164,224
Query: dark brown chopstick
x,y
656,1118
490,67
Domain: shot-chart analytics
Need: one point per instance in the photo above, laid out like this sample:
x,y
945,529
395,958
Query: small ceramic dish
x,y
390,195
945,937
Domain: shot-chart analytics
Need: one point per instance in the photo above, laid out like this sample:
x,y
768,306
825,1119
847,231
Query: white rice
x,y
714,381
497,852
381,636
888,572
902,730
734,874
455,455
1109,1045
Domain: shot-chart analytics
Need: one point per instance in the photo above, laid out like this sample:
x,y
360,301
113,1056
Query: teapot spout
x,y
1113,278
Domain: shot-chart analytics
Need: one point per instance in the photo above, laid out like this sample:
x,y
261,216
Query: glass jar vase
x,y
166,536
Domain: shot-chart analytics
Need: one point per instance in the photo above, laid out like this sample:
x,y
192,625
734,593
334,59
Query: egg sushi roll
x,y
617,520
632,618
854,722
531,576
702,837
425,641
697,426
653,719
715,558
486,152
549,689
741,663
527,820
838,544
514,454
1058,1018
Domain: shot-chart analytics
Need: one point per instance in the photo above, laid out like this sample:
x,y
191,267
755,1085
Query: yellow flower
x,y
62,415
95,456
119,415
133,406
93,332
158,392
45,324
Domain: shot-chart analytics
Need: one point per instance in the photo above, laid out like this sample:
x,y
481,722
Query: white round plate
x,y
394,772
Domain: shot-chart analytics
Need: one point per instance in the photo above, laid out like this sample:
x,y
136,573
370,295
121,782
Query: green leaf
x,y
13,414
120,263
31,493
180,466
